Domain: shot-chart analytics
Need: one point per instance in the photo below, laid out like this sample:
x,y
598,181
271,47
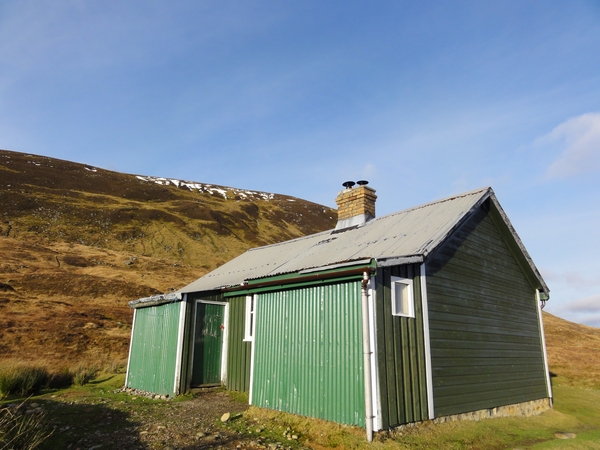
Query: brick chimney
x,y
356,205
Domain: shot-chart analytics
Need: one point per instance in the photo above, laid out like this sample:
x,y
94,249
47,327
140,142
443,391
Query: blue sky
x,y
424,99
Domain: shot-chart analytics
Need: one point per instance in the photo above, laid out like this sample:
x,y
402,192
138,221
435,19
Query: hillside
x,y
573,352
78,242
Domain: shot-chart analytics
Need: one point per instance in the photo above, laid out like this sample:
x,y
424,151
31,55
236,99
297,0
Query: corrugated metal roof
x,y
410,233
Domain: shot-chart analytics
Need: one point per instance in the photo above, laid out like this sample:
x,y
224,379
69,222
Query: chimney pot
x,y
356,205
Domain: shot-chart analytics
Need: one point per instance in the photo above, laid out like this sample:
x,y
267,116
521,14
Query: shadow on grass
x,y
87,426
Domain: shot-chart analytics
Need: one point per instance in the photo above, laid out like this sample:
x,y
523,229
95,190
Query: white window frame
x,y
249,318
410,307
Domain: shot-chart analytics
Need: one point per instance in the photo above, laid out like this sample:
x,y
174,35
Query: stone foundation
x,y
525,409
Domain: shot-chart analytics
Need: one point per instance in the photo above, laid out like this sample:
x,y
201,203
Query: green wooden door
x,y
208,343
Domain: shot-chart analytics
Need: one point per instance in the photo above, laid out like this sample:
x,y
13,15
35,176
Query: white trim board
x,y
179,355
543,339
426,339
130,347
225,344
253,344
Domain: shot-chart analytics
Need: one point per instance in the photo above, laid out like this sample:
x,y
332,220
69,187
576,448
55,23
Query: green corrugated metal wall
x,y
485,342
239,352
308,355
154,348
400,352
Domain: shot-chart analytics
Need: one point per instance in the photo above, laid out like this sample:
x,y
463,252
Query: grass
x,y
22,380
21,428
84,374
576,410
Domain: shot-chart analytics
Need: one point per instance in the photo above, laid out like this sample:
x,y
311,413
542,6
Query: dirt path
x,y
109,422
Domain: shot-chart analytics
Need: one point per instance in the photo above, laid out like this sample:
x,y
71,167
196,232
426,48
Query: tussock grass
x,y
22,380
114,366
21,428
84,374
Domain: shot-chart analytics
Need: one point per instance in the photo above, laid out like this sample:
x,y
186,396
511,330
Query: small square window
x,y
249,318
402,297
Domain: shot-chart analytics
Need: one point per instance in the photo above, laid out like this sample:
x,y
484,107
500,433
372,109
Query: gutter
x,y
292,281
155,300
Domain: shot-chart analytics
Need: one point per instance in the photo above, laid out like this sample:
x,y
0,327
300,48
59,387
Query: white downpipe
x,y
367,357
543,338
130,348
377,425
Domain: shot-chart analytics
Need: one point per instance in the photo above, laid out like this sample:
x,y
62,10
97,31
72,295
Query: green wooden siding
x,y
400,352
208,343
238,355
154,349
308,357
485,342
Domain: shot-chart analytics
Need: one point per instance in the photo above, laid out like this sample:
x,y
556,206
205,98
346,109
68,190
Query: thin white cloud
x,y
369,171
578,139
589,304
570,279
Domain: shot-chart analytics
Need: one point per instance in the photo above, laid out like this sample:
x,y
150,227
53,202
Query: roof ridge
x,y
290,240
412,208
436,202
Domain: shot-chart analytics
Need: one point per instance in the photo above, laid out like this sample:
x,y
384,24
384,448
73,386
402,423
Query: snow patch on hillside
x,y
222,191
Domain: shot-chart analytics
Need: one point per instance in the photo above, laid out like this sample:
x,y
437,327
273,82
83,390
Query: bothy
x,y
426,313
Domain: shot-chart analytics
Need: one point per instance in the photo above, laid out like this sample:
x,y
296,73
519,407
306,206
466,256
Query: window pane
x,y
402,297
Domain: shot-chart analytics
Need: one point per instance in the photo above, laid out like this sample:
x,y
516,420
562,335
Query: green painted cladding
x,y
154,349
485,341
400,352
238,354
308,357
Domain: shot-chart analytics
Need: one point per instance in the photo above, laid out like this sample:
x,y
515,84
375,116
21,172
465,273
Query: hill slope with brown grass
x,y
77,242
573,352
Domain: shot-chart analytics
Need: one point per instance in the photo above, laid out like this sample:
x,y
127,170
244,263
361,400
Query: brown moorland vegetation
x,y
573,352
78,242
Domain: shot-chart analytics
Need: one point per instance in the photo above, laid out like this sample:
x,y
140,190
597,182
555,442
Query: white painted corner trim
x,y
543,339
130,347
179,356
252,349
225,345
426,339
